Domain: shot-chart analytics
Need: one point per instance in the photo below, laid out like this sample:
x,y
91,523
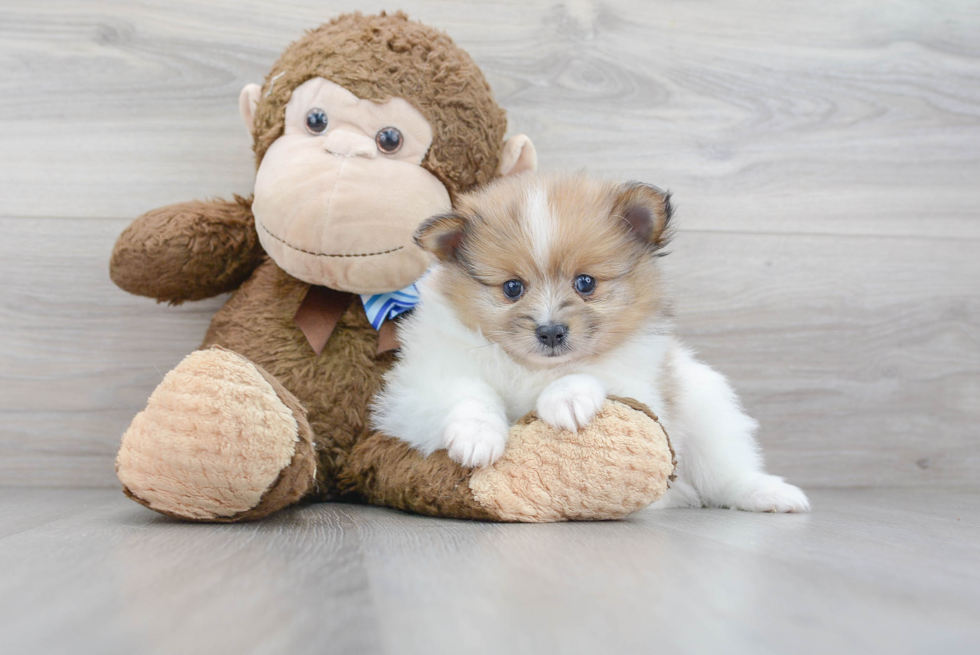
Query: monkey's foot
x,y
619,463
220,440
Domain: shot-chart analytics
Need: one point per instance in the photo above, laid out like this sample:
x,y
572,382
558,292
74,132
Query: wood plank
x,y
859,355
79,357
258,577
868,571
834,118
824,163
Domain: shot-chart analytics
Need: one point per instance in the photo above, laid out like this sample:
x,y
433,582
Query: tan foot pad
x,y
620,463
214,437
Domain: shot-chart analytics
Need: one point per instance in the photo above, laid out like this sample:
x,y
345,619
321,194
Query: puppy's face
x,y
553,270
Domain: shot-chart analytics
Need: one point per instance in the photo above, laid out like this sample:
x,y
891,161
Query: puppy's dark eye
x,y
316,120
513,289
389,140
585,284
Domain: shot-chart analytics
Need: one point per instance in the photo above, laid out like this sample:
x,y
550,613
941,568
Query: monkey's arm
x,y
188,251
621,463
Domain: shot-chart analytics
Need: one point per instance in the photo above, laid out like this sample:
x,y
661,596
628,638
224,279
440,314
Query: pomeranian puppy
x,y
548,295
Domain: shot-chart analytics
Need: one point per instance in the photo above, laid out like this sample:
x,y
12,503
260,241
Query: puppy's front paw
x,y
474,435
571,402
768,493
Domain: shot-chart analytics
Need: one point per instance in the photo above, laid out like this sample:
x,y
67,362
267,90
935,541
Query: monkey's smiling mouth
x,y
324,254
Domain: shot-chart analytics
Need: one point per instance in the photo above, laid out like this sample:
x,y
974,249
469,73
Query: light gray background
x,y
824,159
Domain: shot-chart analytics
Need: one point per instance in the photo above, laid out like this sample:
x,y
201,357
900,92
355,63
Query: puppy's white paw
x,y
768,493
474,435
571,402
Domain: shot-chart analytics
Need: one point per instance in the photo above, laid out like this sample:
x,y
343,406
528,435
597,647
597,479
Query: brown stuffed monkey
x,y
364,127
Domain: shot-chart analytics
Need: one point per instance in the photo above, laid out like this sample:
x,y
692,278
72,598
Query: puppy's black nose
x,y
552,334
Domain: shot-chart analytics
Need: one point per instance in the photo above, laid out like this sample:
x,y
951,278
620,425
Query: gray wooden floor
x,y
869,571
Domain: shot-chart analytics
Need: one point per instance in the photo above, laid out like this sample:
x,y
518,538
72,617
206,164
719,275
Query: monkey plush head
x,y
364,128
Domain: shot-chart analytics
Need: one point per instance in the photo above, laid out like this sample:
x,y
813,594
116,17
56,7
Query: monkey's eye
x,y
585,284
389,140
316,120
513,289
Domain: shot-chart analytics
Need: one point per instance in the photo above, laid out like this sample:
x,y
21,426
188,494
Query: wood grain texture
x,y
824,162
870,571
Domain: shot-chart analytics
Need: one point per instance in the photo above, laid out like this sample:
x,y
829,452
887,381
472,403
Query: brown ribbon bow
x,y
320,312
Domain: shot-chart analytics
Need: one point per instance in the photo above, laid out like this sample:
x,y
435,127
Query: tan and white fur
x,y
548,296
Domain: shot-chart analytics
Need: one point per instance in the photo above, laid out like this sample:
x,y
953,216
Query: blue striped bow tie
x,y
386,306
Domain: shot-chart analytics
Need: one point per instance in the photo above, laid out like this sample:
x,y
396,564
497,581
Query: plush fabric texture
x,y
388,56
213,439
296,480
257,419
335,386
159,255
517,156
364,250
386,471
619,463
338,457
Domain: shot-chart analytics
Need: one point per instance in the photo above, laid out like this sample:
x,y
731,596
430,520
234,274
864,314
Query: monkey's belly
x,y
335,387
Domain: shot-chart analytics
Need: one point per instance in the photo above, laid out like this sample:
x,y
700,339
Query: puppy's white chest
x,y
519,387
631,373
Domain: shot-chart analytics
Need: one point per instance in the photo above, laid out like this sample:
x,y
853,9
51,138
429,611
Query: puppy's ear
x,y
646,212
442,235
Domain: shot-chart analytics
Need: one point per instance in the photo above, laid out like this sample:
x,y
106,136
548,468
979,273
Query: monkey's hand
x,y
188,251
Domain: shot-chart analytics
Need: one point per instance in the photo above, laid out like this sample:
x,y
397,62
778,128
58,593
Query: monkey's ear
x,y
646,211
442,235
519,155
247,101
